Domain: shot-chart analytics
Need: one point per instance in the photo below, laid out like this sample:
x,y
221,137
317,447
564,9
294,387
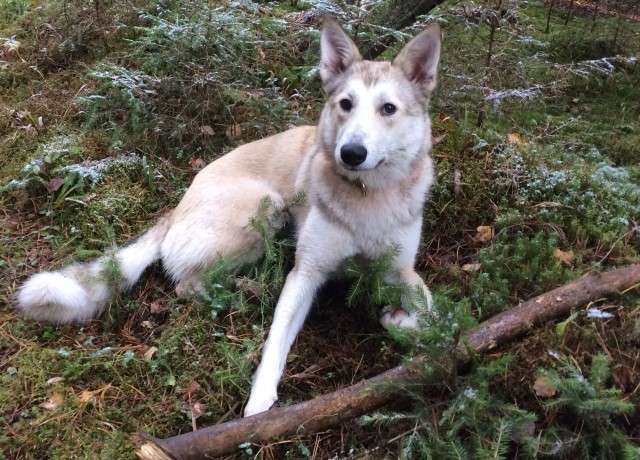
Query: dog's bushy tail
x,y
80,292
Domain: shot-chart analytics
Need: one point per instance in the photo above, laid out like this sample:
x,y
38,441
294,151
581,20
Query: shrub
x,y
515,269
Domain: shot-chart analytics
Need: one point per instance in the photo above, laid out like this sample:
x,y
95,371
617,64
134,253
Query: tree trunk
x,y
397,15
333,408
549,11
569,13
595,16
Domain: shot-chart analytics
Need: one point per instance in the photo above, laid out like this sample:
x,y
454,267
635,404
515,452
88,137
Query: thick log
x,y
333,408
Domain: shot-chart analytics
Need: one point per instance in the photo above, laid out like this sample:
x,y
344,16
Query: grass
x,y
174,85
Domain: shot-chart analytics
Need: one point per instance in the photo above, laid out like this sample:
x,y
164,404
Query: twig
x,y
330,409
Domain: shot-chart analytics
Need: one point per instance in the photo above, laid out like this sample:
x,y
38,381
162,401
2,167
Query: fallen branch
x,y
333,408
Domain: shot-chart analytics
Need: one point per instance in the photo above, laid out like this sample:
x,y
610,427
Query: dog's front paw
x,y
260,402
398,317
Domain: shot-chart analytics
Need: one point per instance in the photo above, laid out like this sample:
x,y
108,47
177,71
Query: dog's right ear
x,y
337,52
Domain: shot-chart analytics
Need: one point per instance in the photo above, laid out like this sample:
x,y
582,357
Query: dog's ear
x,y
419,58
337,51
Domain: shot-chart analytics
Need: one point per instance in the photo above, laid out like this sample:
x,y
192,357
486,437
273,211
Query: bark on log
x,y
330,409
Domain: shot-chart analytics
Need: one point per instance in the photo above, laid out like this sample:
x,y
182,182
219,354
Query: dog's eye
x,y
389,109
345,104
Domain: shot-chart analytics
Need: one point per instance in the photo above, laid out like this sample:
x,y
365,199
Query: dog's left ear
x,y
419,58
337,52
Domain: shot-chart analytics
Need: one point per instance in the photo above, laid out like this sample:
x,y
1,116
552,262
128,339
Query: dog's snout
x,y
353,154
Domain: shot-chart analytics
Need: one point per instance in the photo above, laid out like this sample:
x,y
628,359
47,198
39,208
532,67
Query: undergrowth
x,y
109,108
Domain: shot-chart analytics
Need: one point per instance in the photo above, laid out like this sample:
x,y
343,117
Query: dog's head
x,y
374,124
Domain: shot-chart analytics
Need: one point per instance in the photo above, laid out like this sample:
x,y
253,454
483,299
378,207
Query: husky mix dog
x,y
365,171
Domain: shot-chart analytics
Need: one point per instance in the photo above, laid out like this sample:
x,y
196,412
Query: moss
x,y
171,84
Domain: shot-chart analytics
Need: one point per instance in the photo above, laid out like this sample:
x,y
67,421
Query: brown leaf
x,y
516,139
149,353
484,233
566,257
543,387
93,396
86,396
54,401
197,163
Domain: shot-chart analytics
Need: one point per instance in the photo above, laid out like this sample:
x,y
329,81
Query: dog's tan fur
x,y
349,210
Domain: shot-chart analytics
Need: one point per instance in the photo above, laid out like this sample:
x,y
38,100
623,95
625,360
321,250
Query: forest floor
x,y
109,108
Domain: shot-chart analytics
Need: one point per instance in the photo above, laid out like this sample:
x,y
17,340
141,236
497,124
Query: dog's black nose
x,y
353,154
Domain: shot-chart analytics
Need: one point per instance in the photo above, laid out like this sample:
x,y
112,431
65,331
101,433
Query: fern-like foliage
x,y
514,269
593,407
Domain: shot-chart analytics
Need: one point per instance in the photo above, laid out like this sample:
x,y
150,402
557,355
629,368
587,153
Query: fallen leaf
x,y
197,163
198,409
54,380
54,401
471,268
543,387
516,139
93,396
149,353
438,139
484,233
207,130
86,396
566,257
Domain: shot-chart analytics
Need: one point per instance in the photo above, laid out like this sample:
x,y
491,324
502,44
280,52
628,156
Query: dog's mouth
x,y
360,169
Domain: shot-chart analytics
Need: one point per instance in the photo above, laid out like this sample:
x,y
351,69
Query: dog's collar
x,y
357,183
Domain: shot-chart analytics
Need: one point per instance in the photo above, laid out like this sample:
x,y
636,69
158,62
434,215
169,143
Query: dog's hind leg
x,y
217,226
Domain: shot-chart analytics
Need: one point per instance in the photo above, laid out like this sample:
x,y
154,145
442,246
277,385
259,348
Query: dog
x,y
365,171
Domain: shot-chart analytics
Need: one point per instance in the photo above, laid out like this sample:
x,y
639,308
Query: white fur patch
x,y
56,298
400,318
80,292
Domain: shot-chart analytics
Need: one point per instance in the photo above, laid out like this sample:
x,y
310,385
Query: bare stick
x,y
333,408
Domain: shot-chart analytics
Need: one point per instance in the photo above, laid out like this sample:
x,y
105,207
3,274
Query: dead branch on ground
x,y
331,409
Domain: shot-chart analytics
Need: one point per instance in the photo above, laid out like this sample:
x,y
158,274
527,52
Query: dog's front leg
x,y
417,294
320,249
293,306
